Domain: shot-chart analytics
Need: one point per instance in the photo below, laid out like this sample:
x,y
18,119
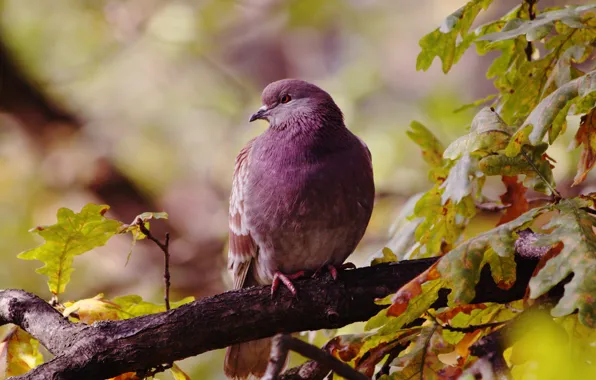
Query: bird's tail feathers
x,y
245,359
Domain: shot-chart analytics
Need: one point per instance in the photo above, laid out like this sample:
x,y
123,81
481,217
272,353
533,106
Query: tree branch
x,y
109,348
283,343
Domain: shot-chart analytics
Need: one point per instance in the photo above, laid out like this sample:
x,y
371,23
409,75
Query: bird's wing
x,y
242,248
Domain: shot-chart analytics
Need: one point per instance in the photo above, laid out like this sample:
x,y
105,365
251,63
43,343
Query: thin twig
x,y
472,328
556,194
466,329
554,191
166,272
165,247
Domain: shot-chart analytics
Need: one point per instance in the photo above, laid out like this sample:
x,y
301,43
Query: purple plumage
x,y
301,199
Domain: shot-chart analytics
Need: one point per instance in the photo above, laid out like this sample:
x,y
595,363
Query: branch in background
x,y
283,343
109,348
311,370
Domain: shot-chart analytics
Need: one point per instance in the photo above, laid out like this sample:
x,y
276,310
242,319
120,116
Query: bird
x,y
302,197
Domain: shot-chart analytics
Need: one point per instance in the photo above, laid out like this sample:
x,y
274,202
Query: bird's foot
x,y
333,270
285,279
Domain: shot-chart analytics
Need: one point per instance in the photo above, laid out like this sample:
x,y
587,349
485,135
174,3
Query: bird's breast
x,y
307,209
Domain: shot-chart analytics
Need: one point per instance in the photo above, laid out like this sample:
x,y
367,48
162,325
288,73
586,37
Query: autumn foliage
x,y
543,77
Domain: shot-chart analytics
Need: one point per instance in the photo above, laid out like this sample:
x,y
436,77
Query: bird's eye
x,y
285,99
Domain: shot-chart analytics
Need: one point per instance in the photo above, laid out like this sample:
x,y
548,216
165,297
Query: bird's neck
x,y
299,143
311,133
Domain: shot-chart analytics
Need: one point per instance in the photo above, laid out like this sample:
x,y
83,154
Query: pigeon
x,y
302,196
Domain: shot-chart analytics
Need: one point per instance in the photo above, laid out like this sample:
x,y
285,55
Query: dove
x,y
302,196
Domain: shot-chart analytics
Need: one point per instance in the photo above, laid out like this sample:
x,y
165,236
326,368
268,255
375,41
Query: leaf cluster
x,y
72,235
543,74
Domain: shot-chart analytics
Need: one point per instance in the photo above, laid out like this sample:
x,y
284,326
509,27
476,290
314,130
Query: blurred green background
x,y
144,104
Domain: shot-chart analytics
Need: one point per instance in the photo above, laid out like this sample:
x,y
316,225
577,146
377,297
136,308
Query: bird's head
x,y
290,102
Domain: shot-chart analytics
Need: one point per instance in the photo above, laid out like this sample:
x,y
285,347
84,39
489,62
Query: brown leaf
x,y
515,196
586,136
373,357
462,347
554,251
345,347
402,298
448,315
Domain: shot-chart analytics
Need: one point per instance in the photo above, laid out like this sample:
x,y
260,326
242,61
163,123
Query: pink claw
x,y
333,271
286,280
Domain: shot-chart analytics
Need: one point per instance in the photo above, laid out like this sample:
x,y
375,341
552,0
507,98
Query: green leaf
x,y
573,227
420,360
19,352
460,268
73,235
443,42
541,119
488,134
178,373
581,338
475,103
532,164
541,26
135,229
479,314
132,306
458,184
432,149
403,229
502,268
417,306
387,256
442,224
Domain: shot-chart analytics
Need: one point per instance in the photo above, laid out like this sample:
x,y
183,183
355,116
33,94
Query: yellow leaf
x,y
178,373
18,352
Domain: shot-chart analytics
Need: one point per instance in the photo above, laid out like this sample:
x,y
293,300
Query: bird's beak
x,y
260,114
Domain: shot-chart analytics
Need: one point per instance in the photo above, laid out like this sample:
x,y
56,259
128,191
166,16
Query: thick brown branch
x,y
109,348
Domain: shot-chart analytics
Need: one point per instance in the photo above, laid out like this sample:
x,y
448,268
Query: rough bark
x,y
110,348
